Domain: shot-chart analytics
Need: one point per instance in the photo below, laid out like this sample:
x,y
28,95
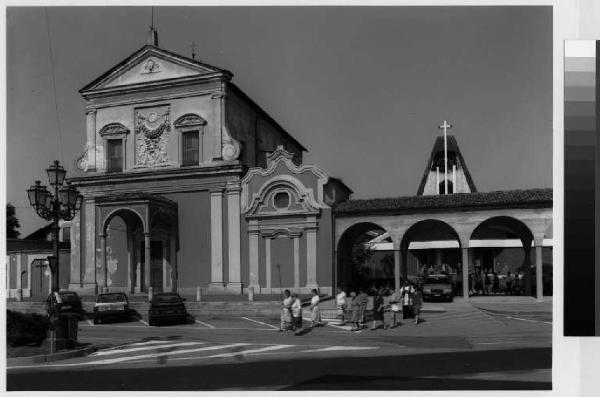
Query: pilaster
x,y
91,138
296,240
216,239
253,254
217,99
234,283
311,254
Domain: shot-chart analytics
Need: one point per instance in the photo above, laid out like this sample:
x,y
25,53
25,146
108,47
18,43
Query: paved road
x,y
462,349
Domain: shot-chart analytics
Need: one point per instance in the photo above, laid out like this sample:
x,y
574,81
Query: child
x,y
296,313
286,314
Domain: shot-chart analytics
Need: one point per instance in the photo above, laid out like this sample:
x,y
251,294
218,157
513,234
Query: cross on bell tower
x,y
445,126
446,171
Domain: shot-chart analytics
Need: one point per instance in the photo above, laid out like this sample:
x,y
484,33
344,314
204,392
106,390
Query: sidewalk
x,y
512,304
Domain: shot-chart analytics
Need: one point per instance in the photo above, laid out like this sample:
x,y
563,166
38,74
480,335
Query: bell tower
x,y
446,171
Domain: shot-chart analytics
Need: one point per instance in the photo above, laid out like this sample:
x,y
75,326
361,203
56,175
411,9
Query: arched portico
x,y
436,247
526,214
150,230
360,262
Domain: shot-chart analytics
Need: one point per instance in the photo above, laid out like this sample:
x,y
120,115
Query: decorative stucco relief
x,y
151,137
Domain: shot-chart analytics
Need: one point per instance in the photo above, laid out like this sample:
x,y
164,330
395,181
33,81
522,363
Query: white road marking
x,y
528,320
339,348
260,322
491,343
150,342
135,349
143,322
162,354
344,327
262,349
255,351
205,324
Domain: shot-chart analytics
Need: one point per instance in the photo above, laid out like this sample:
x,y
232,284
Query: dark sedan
x,y
437,286
167,307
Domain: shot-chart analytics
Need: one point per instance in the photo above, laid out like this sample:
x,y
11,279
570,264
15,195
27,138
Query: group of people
x,y
408,299
486,283
291,312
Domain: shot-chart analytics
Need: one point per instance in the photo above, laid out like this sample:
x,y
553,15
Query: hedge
x,y
25,328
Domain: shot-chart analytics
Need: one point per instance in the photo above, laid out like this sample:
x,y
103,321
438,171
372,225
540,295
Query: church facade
x,y
189,184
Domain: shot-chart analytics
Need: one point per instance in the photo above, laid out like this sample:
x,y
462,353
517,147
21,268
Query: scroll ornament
x,y
231,147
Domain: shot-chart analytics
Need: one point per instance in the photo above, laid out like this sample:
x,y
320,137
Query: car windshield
x,y
111,298
437,280
166,299
68,296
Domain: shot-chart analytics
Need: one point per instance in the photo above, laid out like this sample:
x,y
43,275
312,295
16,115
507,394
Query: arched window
x,y
443,187
191,130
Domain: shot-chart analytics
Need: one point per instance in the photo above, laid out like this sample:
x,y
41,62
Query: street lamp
x,y
62,205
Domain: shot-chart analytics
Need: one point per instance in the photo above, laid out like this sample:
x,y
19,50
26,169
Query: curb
x,y
46,358
515,313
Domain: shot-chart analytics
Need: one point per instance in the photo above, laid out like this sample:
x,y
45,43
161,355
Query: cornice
x,y
149,99
153,85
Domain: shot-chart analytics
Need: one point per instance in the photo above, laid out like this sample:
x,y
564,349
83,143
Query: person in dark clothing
x,y
495,283
378,308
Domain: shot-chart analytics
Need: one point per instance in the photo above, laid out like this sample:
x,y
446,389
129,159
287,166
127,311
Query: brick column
x,y
397,259
465,271
539,283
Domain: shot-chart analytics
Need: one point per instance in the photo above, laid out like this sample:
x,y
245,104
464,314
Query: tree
x,y
12,223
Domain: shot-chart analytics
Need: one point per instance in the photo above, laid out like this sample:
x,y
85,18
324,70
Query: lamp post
x,y
62,205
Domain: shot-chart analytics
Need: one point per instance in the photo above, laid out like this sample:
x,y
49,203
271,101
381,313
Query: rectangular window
x,y
114,148
191,148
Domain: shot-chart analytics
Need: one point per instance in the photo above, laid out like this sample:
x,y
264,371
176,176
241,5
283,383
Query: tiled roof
x,y
457,201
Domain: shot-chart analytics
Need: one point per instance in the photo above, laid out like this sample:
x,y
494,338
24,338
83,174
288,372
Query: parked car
x,y
437,286
167,307
64,302
111,305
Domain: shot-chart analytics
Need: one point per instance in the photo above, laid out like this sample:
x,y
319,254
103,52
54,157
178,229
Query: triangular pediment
x,y
151,64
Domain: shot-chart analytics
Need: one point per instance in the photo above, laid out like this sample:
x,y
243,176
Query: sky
x,y
362,88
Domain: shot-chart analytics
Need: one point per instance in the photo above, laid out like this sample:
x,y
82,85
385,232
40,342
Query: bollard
x,y
19,295
198,294
251,294
150,290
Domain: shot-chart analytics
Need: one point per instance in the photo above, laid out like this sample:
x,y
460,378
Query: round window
x,y
281,200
